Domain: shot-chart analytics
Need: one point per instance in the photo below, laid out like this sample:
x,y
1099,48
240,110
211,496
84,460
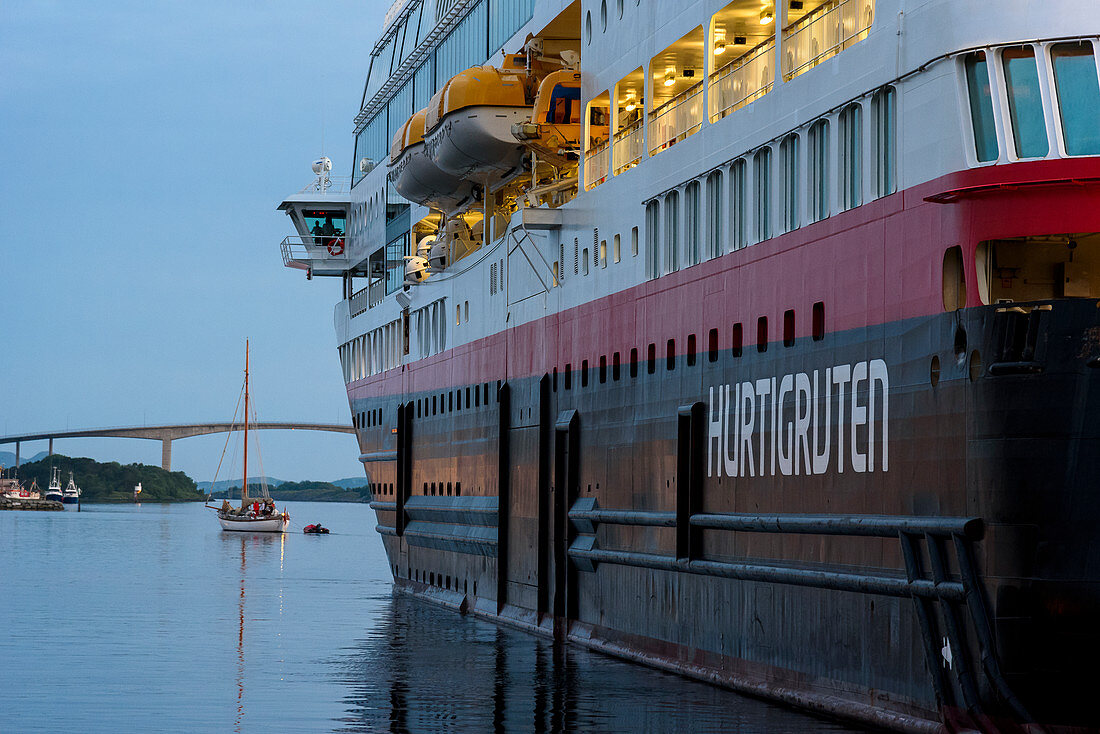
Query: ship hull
x,y
271,525
66,499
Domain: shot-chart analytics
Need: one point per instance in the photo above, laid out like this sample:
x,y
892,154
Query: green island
x,y
114,482
111,481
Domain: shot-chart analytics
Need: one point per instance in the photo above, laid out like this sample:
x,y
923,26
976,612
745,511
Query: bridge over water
x,y
166,434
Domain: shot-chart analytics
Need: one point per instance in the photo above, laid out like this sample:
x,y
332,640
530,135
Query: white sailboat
x,y
258,514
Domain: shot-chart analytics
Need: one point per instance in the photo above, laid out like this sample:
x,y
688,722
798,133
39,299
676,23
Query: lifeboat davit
x,y
417,178
554,129
468,124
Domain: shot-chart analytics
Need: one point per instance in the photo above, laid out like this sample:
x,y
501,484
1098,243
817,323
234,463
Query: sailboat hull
x,y
262,525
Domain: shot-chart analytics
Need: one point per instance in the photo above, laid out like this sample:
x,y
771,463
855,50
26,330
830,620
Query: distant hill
x,y
223,484
7,458
113,482
300,492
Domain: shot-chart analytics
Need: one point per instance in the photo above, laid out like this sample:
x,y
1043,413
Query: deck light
x,y
766,16
631,103
719,49
670,78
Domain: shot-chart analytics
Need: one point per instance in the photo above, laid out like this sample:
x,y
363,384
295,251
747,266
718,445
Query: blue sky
x,y
144,147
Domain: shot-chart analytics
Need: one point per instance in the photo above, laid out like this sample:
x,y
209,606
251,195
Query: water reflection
x,y
425,669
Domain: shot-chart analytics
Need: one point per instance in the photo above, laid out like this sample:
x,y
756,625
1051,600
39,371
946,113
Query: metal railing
x,y
741,81
307,252
328,185
824,33
596,162
676,119
627,147
367,297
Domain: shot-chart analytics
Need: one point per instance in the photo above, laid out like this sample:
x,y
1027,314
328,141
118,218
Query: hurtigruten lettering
x,y
800,424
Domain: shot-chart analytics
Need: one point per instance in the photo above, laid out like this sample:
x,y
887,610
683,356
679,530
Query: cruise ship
x,y
749,340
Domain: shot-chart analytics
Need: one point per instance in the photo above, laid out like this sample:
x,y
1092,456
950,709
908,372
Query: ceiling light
x,y
766,16
670,78
631,103
719,49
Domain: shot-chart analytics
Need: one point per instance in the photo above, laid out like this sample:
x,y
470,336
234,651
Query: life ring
x,y
335,246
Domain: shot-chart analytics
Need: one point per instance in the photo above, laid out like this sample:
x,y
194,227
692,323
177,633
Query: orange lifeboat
x,y
468,123
417,178
554,129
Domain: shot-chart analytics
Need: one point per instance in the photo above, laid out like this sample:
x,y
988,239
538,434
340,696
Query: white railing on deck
x,y
676,119
741,81
824,33
628,148
367,298
596,162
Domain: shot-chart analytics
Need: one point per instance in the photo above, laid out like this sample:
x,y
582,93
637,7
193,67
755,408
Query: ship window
x,y
788,328
851,156
691,350
603,368
788,151
712,345
715,214
450,401
485,390
981,107
819,170
819,321
584,261
1025,104
672,227
355,423
691,223
449,489
1078,96
466,312
1039,268
761,174
670,355
616,252
458,489
615,367
584,373
554,380
884,107
762,334
634,362
652,366
568,376
634,242
477,397
505,18
652,254
603,253
954,279
467,398
737,205
433,405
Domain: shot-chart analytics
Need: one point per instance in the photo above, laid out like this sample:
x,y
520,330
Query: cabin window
x,y
788,151
603,253
554,380
467,398
884,106
652,255
788,328
691,223
584,261
819,321
737,340
712,345
851,156
670,355
818,173
1025,104
1078,96
676,91
458,489
603,368
672,231
737,205
762,189
652,366
433,405
615,367
634,242
691,350
568,376
954,279
715,214
584,373
634,362
762,334
981,107
617,250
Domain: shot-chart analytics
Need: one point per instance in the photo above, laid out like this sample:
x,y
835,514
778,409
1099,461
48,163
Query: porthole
x,y
588,27
934,370
975,365
603,16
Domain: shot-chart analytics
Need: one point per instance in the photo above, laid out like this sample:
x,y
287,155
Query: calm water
x,y
149,618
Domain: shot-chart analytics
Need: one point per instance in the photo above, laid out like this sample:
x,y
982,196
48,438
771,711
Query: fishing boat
x,y
53,492
258,514
71,494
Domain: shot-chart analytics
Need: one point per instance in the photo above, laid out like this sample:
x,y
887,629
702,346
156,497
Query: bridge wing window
x,y
1078,97
1025,105
981,107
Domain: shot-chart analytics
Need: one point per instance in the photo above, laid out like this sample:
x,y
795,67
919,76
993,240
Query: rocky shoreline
x,y
19,503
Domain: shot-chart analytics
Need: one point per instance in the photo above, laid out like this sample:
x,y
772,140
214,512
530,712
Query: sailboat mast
x,y
244,485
